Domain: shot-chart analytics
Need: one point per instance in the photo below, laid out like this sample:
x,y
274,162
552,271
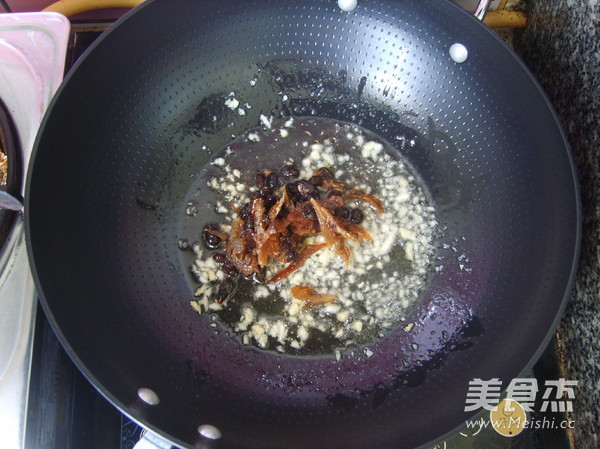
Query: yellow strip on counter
x,y
506,19
73,7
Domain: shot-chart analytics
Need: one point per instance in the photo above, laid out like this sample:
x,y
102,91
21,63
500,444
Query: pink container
x,y
32,58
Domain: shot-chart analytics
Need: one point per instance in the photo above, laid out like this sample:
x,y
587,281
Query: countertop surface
x,y
561,47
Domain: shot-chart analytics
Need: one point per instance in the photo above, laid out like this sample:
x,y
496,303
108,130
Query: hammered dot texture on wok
x,y
468,148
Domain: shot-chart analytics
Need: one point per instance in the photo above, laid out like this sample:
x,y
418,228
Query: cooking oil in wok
x,y
383,279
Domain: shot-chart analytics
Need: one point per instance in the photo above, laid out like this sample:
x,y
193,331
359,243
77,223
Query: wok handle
x,y
7,201
482,9
150,440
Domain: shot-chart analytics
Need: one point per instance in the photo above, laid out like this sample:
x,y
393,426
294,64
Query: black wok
x,y
107,188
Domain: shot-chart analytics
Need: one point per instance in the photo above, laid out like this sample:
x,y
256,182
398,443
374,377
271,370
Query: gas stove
x,y
64,411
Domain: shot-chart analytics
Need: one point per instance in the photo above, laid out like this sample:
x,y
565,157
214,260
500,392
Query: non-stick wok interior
x,y
109,179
